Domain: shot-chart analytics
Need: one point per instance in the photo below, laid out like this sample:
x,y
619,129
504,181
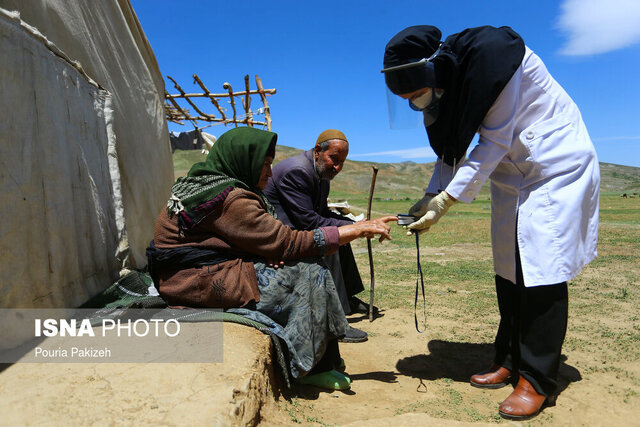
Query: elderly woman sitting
x,y
219,245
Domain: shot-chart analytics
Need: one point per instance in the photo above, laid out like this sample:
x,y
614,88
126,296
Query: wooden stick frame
x,y
177,114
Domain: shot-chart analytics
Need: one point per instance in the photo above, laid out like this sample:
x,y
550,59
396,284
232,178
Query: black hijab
x,y
473,67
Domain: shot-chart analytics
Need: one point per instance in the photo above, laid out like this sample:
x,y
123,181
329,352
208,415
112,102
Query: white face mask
x,y
421,102
429,104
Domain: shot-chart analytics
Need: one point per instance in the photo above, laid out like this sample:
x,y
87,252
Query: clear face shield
x,y
400,115
422,110
416,82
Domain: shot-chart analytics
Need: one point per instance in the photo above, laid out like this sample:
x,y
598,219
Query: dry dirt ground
x,y
399,371
402,377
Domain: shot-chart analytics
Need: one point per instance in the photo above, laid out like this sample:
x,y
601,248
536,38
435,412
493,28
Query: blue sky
x,y
324,59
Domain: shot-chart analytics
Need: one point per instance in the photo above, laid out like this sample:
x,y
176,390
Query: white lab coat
x,y
545,177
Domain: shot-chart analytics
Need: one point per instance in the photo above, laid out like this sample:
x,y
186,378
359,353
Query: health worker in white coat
x,y
534,148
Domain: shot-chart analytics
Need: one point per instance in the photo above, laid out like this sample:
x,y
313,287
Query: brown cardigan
x,y
239,226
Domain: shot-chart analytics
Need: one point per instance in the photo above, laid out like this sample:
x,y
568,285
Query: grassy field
x,y
600,375
608,287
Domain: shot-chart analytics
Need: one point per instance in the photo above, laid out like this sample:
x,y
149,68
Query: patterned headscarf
x,y
235,161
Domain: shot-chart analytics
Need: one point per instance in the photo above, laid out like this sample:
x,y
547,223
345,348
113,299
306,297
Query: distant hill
x,y
408,179
617,178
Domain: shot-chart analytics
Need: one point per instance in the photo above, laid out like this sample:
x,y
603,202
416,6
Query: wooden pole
x,y
184,113
227,86
373,282
247,103
195,107
210,95
177,114
261,91
221,95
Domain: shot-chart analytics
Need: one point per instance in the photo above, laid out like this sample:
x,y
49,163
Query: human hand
x,y
436,207
367,228
420,208
380,226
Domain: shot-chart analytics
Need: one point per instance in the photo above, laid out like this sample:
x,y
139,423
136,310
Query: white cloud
x,y
410,153
598,26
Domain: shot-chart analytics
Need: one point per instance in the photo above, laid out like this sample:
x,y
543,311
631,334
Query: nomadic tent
x,y
85,159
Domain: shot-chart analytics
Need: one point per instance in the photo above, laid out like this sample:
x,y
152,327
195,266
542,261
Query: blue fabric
x,y
318,238
300,196
299,303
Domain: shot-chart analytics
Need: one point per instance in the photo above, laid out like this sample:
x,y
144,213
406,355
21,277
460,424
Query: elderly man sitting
x,y
298,190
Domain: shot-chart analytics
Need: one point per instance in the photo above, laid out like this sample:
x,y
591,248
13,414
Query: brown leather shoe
x,y
524,402
495,377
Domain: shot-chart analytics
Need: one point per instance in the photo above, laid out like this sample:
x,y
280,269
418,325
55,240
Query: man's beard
x,y
324,172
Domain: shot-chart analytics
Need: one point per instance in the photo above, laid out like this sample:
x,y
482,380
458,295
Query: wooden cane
x,y
373,184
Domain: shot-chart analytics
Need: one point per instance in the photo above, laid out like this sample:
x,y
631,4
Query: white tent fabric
x,y
84,149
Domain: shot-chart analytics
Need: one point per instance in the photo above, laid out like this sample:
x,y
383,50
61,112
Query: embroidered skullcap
x,y
330,134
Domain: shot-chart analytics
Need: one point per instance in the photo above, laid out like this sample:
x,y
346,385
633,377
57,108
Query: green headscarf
x,y
235,160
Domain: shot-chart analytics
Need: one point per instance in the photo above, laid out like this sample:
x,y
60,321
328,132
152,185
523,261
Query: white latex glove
x,y
420,208
436,207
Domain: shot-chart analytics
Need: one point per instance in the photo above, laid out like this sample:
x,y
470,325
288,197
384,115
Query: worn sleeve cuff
x,y
331,239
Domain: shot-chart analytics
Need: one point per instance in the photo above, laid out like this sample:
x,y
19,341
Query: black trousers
x,y
533,324
330,360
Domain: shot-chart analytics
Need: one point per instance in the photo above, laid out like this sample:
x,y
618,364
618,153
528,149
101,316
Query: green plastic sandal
x,y
342,379
330,380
